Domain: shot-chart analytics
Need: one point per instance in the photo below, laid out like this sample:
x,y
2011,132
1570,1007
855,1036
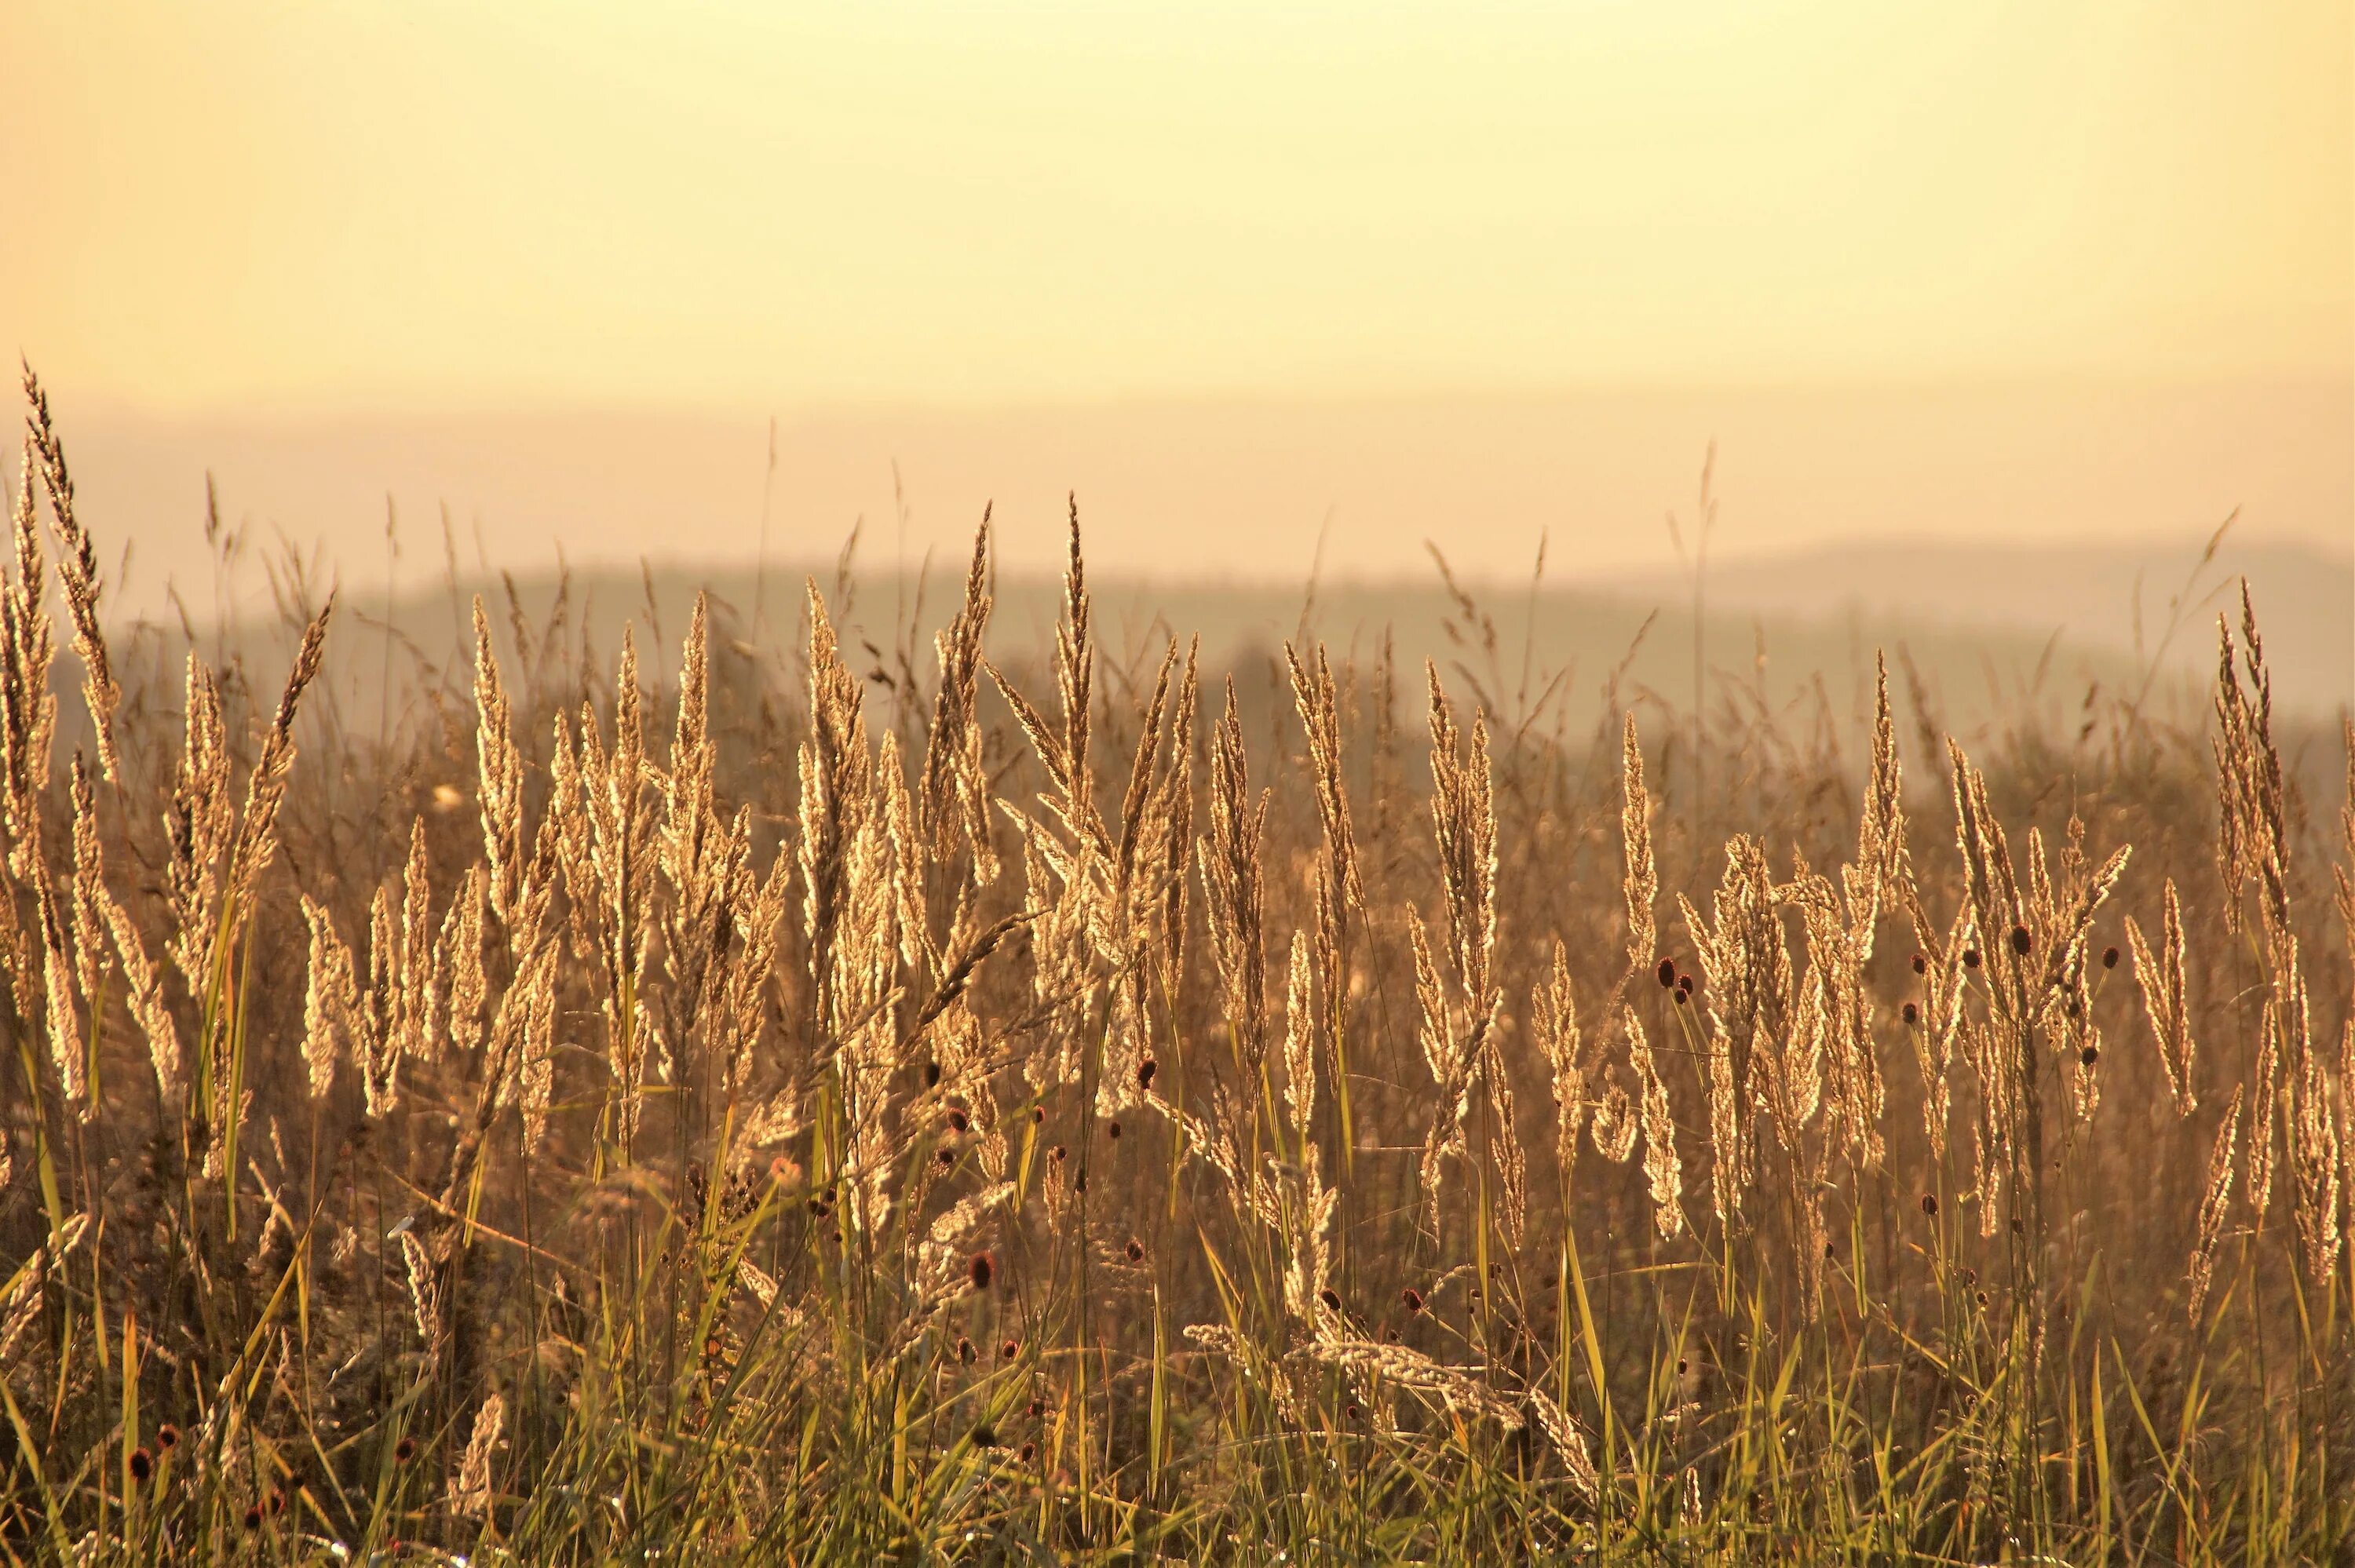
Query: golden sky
x,y
408,205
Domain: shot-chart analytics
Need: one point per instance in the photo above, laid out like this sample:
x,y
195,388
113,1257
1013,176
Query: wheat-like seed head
x,y
1451,1057
745,988
1762,1056
16,953
21,1304
1840,1065
265,788
949,1242
2212,1206
2347,1123
1307,1221
703,857
1173,807
27,708
425,1297
1662,1168
1553,1021
1511,1165
955,798
2265,1116
413,975
459,962
1232,886
499,770
1463,825
1075,661
1299,1035
1939,1015
76,573
536,1047
144,984
1642,884
1616,1125
63,1016
471,1494
1990,886
608,848
1460,1392
376,1031
90,939
2317,1142
198,826
1882,865
835,777
2165,1000
1137,824
1313,694
1577,1455
330,996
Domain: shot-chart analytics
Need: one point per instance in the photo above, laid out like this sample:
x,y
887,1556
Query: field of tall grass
x,y
999,1104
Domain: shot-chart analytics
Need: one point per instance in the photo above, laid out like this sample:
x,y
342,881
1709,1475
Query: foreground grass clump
x,y
911,1119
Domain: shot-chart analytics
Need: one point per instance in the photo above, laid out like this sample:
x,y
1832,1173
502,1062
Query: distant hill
x,y
1997,639
2107,597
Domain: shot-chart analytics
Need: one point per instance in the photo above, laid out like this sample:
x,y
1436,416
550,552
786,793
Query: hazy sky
x,y
389,202
251,210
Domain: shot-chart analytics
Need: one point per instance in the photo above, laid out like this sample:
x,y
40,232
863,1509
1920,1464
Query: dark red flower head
x,y
2022,941
983,1268
1412,1297
1668,973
